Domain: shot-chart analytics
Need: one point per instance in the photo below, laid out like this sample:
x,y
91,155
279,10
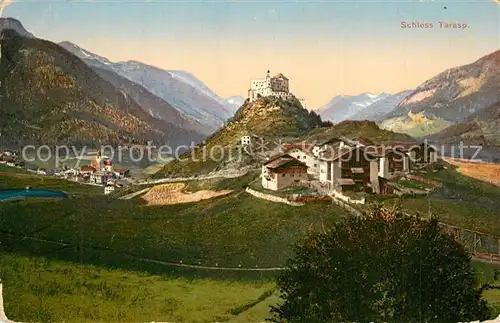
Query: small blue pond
x,y
6,194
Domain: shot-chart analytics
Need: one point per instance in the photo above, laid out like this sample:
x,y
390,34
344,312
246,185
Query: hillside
x,y
49,96
480,128
156,106
451,96
269,118
180,89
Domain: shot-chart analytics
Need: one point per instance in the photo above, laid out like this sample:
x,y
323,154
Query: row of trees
x,y
385,267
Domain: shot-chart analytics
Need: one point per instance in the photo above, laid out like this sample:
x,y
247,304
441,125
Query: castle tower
x,y
268,76
96,162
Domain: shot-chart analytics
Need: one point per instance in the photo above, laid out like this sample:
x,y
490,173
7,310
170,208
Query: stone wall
x,y
271,198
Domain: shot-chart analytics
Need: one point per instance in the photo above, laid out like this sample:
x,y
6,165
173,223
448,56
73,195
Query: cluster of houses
x,y
342,164
11,158
103,173
98,172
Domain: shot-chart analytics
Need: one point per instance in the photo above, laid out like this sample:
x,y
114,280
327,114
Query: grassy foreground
x,y
36,289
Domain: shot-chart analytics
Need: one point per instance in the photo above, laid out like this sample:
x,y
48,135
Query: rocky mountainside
x,y
190,79
480,128
380,108
344,107
269,119
451,96
49,96
154,105
180,89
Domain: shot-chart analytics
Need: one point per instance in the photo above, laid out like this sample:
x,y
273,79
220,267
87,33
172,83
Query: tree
x,y
384,267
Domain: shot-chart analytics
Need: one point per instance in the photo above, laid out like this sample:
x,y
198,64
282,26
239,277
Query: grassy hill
x,y
275,121
269,118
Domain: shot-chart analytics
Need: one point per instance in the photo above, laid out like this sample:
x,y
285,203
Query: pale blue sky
x,y
225,43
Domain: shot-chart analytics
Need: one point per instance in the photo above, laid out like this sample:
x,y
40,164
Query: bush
x,y
386,267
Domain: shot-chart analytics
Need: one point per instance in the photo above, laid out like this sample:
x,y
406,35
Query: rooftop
x,y
282,160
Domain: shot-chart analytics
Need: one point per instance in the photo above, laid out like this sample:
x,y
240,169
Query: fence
x,y
482,245
427,181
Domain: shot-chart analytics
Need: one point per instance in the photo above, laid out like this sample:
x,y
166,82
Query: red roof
x,y
88,168
345,181
280,76
121,170
108,162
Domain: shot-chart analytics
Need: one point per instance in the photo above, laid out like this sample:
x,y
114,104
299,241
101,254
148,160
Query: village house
x,y
109,188
87,169
99,178
347,168
304,153
418,153
121,172
391,161
283,171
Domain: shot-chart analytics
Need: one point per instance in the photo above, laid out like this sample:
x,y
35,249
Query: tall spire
x,y
268,74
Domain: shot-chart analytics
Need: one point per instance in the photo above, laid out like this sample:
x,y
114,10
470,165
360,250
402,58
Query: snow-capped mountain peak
x,y
342,107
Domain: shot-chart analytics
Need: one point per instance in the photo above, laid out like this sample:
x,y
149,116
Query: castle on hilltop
x,y
277,86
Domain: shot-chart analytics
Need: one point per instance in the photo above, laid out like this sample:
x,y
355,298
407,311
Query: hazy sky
x,y
326,48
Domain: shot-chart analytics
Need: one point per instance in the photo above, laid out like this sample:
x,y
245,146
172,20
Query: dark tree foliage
x,y
385,267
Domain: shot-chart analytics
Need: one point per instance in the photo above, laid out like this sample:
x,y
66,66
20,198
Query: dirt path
x,y
132,195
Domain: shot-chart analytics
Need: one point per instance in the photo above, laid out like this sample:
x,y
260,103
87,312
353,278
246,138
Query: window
x,y
283,175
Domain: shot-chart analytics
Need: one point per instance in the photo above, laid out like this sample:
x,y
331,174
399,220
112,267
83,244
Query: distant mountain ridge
x,y
49,96
181,89
378,109
343,107
450,97
481,128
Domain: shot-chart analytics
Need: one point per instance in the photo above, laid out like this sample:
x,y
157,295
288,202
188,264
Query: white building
x,y
277,86
108,189
246,140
